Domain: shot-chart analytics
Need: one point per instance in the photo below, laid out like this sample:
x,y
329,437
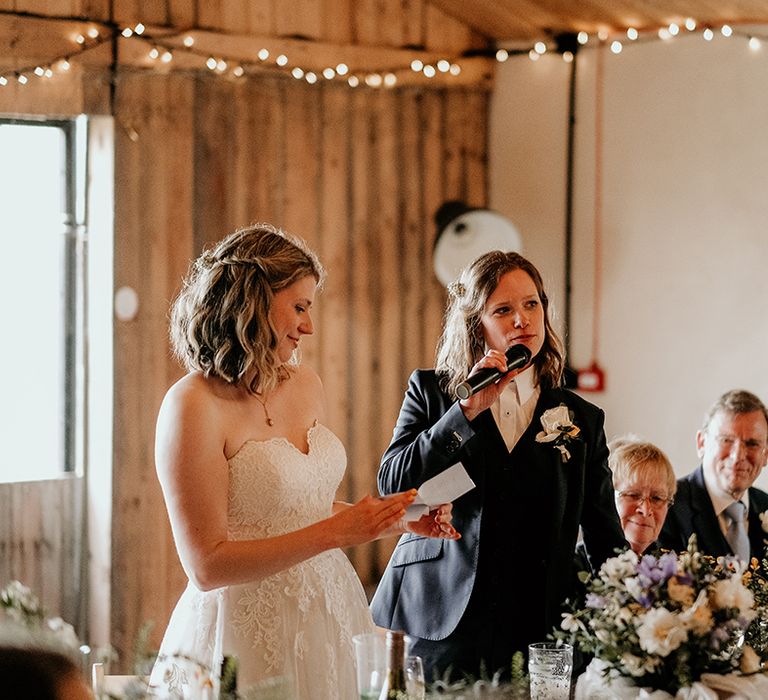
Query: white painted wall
x,y
684,314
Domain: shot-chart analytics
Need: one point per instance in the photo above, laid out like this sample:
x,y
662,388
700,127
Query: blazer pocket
x,y
416,549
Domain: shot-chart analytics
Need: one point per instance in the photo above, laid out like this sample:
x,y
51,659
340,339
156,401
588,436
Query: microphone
x,y
517,356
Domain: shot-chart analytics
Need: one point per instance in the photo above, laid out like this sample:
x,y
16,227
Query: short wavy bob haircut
x,y
462,342
634,461
220,321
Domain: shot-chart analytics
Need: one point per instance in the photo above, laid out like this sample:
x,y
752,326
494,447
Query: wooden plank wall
x,y
34,546
359,173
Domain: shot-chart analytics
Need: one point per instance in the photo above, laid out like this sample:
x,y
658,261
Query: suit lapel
x,y
550,458
757,536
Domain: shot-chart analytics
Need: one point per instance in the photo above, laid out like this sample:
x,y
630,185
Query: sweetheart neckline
x,y
282,438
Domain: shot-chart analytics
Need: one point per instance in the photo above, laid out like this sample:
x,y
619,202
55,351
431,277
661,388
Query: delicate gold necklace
x,y
263,403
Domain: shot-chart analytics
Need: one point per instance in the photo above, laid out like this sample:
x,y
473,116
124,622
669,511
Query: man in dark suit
x,y
733,449
472,603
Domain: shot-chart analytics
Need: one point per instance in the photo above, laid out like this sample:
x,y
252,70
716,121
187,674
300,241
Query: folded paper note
x,y
446,487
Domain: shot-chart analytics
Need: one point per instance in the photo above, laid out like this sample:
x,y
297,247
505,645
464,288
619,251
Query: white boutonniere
x,y
764,520
558,429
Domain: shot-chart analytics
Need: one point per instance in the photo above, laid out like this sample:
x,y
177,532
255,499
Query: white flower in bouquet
x,y
698,617
661,632
620,568
731,593
638,666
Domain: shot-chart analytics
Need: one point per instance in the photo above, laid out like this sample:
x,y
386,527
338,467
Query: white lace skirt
x,y
293,629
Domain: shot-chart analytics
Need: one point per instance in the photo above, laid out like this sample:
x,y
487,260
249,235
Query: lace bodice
x,y
268,484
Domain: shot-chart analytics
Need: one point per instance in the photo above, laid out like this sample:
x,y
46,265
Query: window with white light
x,y
41,292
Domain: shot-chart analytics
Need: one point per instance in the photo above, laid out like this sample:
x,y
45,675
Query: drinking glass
x,y
549,668
371,660
414,678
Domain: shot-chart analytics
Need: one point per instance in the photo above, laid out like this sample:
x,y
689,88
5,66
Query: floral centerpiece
x,y
665,621
24,623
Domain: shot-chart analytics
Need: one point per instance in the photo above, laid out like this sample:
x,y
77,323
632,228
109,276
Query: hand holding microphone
x,y
517,356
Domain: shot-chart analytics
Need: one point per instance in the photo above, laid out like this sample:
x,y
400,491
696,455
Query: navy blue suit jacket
x,y
693,512
428,582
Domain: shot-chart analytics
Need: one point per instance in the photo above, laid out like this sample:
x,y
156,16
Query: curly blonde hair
x,y
462,342
220,321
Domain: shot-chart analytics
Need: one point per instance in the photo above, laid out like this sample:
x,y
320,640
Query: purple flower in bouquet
x,y
653,571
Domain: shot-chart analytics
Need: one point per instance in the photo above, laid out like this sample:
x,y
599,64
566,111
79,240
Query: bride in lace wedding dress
x,y
249,472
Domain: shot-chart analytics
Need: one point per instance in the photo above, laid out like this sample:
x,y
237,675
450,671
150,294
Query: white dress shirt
x,y
721,500
514,409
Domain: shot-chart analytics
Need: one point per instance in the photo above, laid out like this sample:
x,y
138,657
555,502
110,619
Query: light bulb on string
x,y
353,81
211,63
64,65
221,65
167,57
443,66
154,53
3,81
502,55
48,73
263,54
373,80
664,34
238,71
674,29
80,39
726,30
189,41
533,55
540,47
690,24
39,71
342,69
632,34
602,34
93,32
282,60
22,79
582,38
329,73
568,56
455,69
127,32
417,65
429,71
311,77
708,34
297,73
390,80
139,28
616,47
754,43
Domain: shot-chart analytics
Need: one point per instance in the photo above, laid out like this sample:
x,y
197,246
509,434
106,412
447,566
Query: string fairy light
x,y
615,40
164,47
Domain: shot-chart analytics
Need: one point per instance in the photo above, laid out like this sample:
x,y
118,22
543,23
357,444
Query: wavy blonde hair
x,y
462,342
220,321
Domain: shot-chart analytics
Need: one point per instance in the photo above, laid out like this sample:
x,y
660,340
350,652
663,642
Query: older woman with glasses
x,y
645,486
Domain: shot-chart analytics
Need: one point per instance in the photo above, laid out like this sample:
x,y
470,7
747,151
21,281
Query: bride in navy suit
x,y
537,454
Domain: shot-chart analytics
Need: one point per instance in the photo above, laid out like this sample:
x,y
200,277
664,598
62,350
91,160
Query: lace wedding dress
x,y
294,629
